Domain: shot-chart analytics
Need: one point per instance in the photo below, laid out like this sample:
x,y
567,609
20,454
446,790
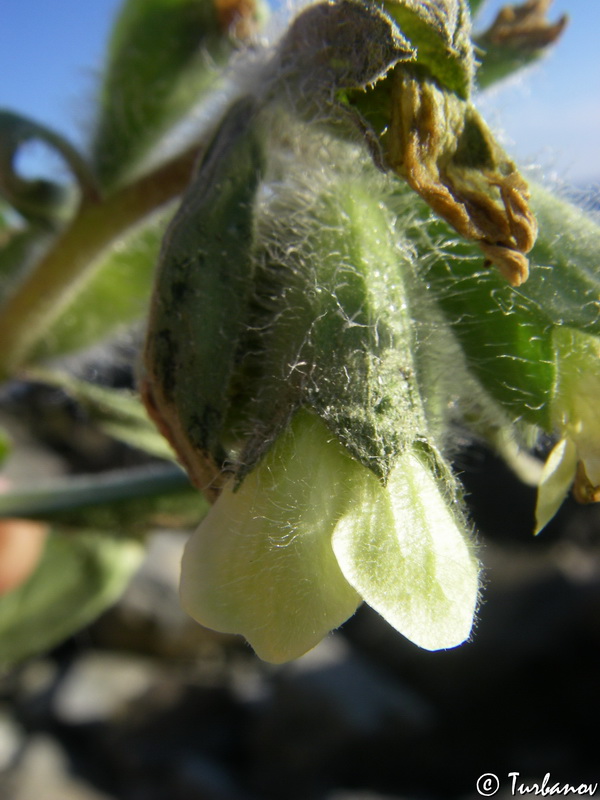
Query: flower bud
x,y
575,407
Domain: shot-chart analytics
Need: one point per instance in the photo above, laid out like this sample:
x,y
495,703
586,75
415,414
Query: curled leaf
x,y
38,200
524,26
519,35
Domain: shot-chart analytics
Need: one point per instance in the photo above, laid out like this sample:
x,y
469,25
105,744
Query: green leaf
x,y
337,335
118,412
78,578
565,281
203,287
440,30
504,333
41,201
115,295
164,56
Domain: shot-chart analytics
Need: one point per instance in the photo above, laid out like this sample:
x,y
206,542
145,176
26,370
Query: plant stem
x,y
48,287
84,490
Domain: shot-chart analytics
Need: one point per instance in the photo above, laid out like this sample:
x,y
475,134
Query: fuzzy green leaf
x,y
362,382
201,295
440,30
118,412
565,280
331,327
114,295
163,57
504,333
78,578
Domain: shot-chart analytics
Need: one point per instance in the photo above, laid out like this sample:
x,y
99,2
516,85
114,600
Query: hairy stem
x,y
45,291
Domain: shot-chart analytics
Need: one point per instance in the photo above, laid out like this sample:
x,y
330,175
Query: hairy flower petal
x,y
556,480
261,562
409,559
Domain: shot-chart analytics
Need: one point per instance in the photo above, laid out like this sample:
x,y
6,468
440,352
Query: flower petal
x,y
409,559
557,476
261,562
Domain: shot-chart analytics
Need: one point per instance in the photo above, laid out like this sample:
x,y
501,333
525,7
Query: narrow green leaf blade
x,y
164,56
114,295
118,412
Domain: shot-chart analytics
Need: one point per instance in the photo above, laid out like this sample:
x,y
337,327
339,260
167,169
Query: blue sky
x,y
51,57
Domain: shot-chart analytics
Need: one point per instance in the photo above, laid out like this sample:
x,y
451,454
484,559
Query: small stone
x,y
99,685
43,774
11,740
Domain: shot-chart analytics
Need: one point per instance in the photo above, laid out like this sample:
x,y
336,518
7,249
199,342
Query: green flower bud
x,y
575,460
309,362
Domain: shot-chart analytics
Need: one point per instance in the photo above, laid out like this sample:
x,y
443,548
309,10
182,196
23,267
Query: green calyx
x,y
336,335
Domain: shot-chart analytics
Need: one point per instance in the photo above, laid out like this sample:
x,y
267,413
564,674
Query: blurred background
x,y
146,705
